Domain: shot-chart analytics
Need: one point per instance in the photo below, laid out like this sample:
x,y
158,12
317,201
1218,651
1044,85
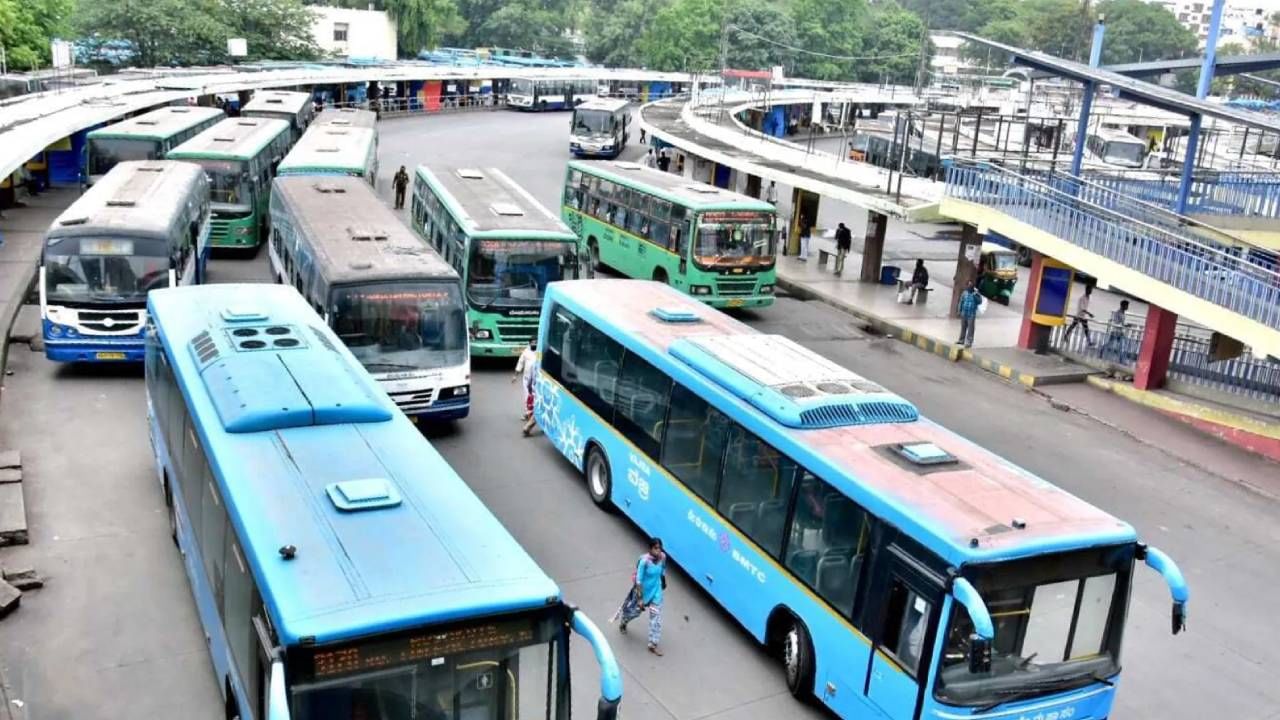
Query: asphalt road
x,y
114,634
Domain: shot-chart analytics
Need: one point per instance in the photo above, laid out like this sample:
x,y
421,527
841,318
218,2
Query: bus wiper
x,y
393,366
1035,689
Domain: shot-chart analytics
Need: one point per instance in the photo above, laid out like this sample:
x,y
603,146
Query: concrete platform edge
x,y
1247,432
950,351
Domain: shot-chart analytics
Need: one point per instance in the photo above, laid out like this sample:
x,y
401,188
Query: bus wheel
x,y
599,479
797,660
173,517
660,275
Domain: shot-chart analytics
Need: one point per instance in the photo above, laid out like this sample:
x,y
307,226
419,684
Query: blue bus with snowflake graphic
x,y
832,521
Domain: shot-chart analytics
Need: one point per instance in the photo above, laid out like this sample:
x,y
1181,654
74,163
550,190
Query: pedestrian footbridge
x,y
1183,266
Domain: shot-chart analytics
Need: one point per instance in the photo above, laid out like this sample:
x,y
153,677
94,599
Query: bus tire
x,y
660,275
233,706
599,477
173,516
797,660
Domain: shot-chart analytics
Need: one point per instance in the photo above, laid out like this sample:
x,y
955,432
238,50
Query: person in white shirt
x,y
1082,316
771,194
651,160
526,373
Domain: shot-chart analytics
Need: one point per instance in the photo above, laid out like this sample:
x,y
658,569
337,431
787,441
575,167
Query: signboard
x,y
237,47
740,216
62,54
1053,293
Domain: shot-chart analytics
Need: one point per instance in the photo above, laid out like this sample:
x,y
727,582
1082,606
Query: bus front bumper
x,y
94,350
491,348
736,302
442,411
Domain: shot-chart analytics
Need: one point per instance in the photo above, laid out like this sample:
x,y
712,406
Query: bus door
x,y
904,608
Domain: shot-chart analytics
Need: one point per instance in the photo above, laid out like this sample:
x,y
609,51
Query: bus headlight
x,y
766,289
700,289
459,391
575,146
55,330
71,332
481,334
245,230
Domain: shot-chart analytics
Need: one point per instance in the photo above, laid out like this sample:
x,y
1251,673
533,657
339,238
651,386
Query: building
x,y
948,57
354,33
1243,21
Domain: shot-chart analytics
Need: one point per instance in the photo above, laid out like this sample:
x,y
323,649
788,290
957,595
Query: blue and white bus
x,y
898,570
144,225
340,568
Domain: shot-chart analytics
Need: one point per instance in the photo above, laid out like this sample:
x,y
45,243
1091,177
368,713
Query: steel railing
x,y
1179,259
1219,193
398,107
1100,342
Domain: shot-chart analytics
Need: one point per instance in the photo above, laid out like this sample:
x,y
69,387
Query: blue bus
x,y
340,568
144,225
898,570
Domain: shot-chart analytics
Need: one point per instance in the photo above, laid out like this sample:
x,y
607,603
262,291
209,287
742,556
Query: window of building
x,y
340,32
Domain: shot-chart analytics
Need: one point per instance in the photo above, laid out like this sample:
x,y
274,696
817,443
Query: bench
x,y
922,295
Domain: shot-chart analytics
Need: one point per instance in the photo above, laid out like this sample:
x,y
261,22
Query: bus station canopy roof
x,y
1130,88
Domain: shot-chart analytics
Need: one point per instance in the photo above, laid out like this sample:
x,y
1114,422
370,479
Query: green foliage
x,y
1138,31
684,35
27,26
189,32
526,24
894,46
763,31
612,32
962,15
423,24
831,27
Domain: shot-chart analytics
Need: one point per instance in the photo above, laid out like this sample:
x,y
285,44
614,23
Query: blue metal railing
x,y
1255,194
1179,259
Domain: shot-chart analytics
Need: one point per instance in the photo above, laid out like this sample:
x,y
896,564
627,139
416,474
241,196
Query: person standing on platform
x,y
805,231
970,301
401,183
664,160
650,161
1114,347
844,243
771,194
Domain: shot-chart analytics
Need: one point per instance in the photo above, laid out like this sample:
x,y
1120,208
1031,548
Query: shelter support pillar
x,y
1156,350
873,246
966,265
803,204
1031,334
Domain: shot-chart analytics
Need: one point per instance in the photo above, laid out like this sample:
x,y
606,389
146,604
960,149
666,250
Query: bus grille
x,y
413,400
219,231
516,333
867,413
112,321
735,286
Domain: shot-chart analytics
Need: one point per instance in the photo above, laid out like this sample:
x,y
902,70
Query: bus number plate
x,y
736,302
109,356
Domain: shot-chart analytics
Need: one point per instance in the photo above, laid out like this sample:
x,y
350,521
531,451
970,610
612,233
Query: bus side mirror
x,y
1179,617
979,654
607,709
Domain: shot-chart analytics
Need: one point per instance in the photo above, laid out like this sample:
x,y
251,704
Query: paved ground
x,y
114,635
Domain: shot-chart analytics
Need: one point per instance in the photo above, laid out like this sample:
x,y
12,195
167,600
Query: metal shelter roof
x,y
1222,66
1130,88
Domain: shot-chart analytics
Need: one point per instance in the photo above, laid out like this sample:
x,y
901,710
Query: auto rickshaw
x,y
998,272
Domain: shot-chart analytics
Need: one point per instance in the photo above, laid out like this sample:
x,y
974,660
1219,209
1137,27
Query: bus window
x,y
589,365
694,442
639,225
755,488
642,403
213,528
660,233
905,625
677,240
828,546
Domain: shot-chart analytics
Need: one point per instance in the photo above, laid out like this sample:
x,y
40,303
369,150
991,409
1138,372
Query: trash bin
x,y
889,274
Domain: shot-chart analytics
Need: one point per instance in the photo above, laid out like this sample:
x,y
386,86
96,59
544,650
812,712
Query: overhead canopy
x,y
1222,66
1130,88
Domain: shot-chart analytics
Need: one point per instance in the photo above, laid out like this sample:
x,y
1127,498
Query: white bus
x,y
549,93
144,225
600,127
1116,147
395,303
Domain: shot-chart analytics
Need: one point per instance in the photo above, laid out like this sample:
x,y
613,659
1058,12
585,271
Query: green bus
x,y
239,156
506,246
333,150
713,244
295,108
145,137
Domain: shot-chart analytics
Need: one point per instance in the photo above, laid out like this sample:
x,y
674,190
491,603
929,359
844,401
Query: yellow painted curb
x,y
1216,416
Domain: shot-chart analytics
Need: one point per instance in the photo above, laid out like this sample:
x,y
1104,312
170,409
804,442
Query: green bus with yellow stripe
x,y
239,156
716,245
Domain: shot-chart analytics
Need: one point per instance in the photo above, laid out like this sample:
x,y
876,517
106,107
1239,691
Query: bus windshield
x,y
1128,154
734,239
522,86
593,122
228,181
497,671
1057,626
515,273
400,327
105,153
82,270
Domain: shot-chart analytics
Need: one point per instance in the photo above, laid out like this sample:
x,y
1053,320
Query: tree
x,y
525,24
191,32
27,26
894,46
423,24
962,15
759,35
1138,31
684,35
828,28
614,30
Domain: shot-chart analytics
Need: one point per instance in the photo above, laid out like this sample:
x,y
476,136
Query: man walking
x,y
648,582
771,194
1082,316
401,183
1113,349
844,243
805,231
970,300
